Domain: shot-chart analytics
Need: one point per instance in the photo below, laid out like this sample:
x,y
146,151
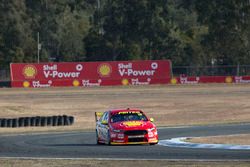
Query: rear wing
x,y
98,115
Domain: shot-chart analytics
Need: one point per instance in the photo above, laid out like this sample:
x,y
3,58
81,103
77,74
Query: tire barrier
x,y
49,121
21,122
60,120
32,121
55,121
9,123
71,120
15,123
38,121
26,121
4,123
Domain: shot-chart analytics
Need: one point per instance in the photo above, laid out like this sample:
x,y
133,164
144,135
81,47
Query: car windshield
x,y
128,116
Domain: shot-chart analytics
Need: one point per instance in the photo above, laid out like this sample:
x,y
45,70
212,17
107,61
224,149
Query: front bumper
x,y
146,138
133,143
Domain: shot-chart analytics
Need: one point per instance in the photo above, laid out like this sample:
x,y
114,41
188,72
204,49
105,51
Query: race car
x,y
125,126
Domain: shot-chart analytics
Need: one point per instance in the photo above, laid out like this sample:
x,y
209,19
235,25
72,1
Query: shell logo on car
x,y
132,123
29,71
104,70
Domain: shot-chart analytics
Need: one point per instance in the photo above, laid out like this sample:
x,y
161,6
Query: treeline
x,y
189,32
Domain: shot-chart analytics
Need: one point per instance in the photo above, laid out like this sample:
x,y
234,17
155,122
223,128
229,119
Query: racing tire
x,y
65,120
21,122
60,121
9,123
4,123
14,123
49,121
38,121
55,121
32,121
71,120
43,121
26,121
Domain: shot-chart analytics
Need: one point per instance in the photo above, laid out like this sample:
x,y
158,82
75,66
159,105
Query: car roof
x,y
113,111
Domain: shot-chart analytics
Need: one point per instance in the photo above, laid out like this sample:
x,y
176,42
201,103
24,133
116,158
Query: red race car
x,y
125,126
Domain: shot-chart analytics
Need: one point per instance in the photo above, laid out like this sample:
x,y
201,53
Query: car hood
x,y
132,125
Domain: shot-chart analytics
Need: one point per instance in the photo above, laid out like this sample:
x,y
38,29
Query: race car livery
x,y
125,126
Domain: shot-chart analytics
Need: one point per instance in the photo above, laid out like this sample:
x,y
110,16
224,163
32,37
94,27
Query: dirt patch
x,y
242,139
169,105
114,163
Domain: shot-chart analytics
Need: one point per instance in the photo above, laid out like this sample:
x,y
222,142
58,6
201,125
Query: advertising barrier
x,y
90,73
210,79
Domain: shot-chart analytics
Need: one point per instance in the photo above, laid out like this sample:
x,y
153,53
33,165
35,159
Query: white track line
x,y
180,142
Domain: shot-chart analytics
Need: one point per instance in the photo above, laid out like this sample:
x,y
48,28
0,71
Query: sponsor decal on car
x,y
132,123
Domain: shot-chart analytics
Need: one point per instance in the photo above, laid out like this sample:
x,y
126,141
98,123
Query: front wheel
x,y
153,143
108,138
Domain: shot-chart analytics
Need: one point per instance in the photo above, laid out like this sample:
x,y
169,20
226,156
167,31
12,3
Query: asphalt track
x,y
82,145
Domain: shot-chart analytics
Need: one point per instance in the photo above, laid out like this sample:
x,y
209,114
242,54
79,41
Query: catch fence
x,y
4,75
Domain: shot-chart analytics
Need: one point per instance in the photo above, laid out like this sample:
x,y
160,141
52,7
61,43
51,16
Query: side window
x,y
104,117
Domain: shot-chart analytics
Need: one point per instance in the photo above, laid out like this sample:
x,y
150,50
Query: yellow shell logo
x,y
76,83
125,82
26,84
104,70
229,80
29,71
173,81
132,123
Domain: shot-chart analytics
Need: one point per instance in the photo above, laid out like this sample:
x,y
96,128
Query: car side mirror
x,y
104,122
152,119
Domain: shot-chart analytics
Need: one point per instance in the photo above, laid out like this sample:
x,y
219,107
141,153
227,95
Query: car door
x,y
102,127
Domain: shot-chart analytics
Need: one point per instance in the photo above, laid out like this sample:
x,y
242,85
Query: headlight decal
x,y
151,129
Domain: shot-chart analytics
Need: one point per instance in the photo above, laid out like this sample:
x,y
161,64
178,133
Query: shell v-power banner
x,y
90,73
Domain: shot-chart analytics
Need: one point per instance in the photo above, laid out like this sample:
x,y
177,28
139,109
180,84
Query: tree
x,y
71,30
228,27
62,25
17,44
131,30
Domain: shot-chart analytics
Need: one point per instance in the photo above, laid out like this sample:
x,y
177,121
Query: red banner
x,y
90,73
210,79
